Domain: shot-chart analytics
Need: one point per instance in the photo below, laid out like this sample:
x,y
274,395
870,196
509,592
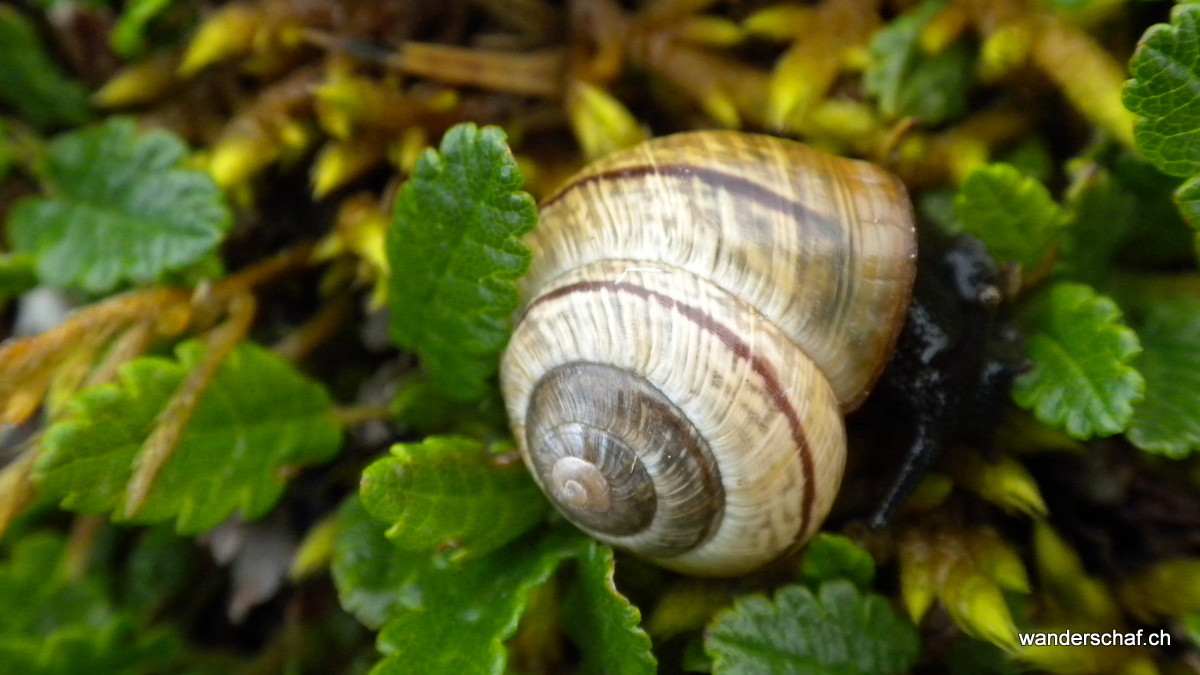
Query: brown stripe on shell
x,y
738,347
713,178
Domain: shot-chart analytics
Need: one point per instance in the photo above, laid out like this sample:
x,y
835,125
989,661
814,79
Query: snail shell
x,y
701,311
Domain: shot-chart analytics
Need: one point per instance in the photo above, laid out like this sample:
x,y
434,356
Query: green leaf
x,y
1032,158
1165,93
1081,378
54,624
602,622
121,209
1013,214
841,630
451,492
117,646
1102,214
1188,199
258,420
128,37
440,615
1167,421
910,82
833,556
424,409
454,254
1160,237
30,82
16,274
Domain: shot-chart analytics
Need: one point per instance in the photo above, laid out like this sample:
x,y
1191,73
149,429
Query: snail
x,y
701,312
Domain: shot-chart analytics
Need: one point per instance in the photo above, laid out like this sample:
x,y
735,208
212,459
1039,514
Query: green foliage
x,y
602,622
160,565
1013,214
454,254
120,209
420,406
1081,379
437,614
451,493
833,556
1163,91
1167,421
257,419
30,82
128,36
16,274
52,624
838,630
1102,214
1188,199
907,81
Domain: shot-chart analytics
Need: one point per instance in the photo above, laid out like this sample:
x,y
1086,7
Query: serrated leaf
x,y
1165,92
907,81
121,209
833,556
440,615
451,492
258,420
1167,421
1081,379
30,82
603,622
117,646
840,631
454,254
53,624
1013,214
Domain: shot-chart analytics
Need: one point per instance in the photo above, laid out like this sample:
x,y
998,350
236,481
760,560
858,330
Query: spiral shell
x,y
700,312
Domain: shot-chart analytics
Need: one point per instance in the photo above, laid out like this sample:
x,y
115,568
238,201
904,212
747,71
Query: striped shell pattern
x,y
701,311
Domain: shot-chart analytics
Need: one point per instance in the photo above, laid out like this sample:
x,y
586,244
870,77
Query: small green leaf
x,y
910,82
16,274
841,630
602,622
832,556
128,37
451,491
454,254
1167,421
121,209
1101,216
440,615
1165,92
54,624
1187,197
258,418
29,80
1081,379
1013,214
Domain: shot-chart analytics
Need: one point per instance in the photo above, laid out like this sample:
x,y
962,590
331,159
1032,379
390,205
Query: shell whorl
x,y
676,379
